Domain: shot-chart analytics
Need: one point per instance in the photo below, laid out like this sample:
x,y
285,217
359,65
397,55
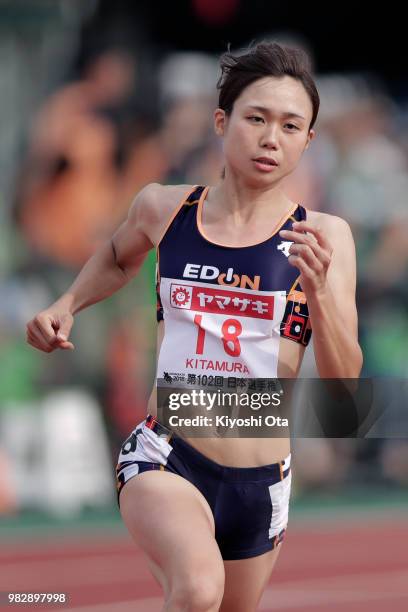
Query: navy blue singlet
x,y
226,308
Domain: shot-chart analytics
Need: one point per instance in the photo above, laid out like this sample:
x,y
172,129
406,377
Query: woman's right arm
x,y
111,267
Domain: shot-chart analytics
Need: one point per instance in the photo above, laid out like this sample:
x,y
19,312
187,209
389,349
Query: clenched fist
x,y
50,329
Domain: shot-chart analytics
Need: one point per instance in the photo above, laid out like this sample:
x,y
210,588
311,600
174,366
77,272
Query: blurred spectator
x,y
128,375
70,185
184,148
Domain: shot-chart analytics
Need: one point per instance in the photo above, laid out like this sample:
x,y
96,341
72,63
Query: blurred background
x,y
98,99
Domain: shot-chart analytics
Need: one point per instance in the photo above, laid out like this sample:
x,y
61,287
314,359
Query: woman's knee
x,y
201,591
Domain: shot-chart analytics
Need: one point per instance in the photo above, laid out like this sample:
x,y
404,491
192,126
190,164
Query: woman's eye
x,y
255,118
291,125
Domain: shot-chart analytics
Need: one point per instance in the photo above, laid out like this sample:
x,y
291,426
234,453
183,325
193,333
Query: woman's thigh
x,y
171,521
245,581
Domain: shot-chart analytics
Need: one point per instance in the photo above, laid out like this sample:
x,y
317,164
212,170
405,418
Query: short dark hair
x,y
262,60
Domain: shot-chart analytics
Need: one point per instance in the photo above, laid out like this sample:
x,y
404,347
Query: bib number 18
x,y
229,338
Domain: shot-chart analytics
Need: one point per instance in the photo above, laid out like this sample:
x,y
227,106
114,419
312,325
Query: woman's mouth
x,y
265,164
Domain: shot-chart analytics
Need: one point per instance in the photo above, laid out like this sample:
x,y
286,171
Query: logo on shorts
x,y
130,444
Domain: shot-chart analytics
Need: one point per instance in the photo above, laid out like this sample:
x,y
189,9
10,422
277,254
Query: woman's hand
x,y
310,254
50,329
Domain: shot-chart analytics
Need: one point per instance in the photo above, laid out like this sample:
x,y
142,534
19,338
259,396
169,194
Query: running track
x,y
355,565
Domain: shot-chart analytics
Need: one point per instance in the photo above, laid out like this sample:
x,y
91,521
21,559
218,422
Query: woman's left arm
x,y
326,260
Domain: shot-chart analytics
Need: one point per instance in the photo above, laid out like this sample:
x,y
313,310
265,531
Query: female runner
x,y
210,513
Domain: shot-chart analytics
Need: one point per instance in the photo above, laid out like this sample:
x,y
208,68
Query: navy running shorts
x,y
250,505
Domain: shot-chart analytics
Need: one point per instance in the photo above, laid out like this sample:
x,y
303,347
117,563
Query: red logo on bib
x,y
181,296
222,301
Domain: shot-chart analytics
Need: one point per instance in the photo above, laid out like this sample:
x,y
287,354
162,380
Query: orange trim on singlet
x,y
173,216
175,212
292,288
281,222
297,279
305,219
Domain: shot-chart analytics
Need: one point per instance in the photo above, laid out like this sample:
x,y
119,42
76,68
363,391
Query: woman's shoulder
x,y
160,202
158,198
159,191
327,222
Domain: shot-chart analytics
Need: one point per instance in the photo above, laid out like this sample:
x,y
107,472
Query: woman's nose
x,y
270,138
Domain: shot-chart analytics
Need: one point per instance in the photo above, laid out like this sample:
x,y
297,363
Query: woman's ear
x,y
310,137
219,121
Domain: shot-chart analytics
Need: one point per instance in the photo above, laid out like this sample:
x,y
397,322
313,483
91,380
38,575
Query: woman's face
x,y
270,119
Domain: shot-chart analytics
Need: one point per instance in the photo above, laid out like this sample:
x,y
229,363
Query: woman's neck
x,y
245,204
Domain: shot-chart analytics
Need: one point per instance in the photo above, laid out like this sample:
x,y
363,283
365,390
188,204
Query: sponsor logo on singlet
x,y
198,271
284,247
